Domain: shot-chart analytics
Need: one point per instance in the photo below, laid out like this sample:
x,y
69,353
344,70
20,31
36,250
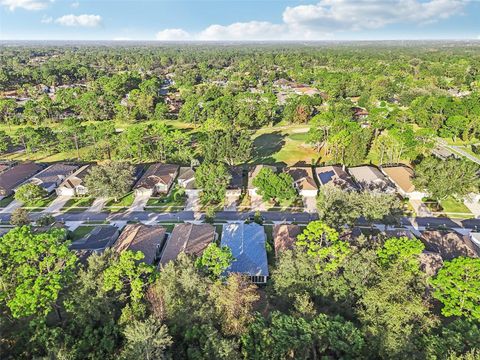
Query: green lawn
x,y
6,201
41,204
176,197
78,204
80,232
125,201
452,205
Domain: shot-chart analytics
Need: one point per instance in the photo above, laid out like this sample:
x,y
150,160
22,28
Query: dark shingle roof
x,y
157,173
53,174
99,238
188,238
144,238
16,175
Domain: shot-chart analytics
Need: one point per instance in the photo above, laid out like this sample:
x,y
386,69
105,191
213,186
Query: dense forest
x,y
383,104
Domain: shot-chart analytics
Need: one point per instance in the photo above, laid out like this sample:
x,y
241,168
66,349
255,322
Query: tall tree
x,y
111,180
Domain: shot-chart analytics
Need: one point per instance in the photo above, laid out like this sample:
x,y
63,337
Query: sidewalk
x,y
15,204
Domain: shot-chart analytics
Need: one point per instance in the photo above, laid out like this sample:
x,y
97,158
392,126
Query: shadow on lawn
x,y
267,145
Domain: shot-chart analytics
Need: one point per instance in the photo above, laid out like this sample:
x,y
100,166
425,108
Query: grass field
x,y
125,201
451,205
6,201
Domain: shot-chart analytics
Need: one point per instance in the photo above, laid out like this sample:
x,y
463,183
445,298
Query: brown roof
x,y
145,238
401,176
189,238
157,174
284,237
430,262
448,244
16,175
303,177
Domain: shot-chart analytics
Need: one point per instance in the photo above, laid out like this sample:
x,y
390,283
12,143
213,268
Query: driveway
x,y
473,206
310,203
57,204
193,201
420,208
257,203
139,202
15,204
231,202
97,205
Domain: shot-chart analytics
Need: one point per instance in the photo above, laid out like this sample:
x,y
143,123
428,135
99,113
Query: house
x,y
15,176
303,180
369,178
475,239
147,239
74,184
97,240
284,237
186,178
449,244
335,176
402,177
444,153
235,186
157,179
53,176
359,113
247,243
189,238
252,190
430,262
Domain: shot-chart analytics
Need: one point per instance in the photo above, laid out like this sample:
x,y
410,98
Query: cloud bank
x,y
84,20
25,4
327,17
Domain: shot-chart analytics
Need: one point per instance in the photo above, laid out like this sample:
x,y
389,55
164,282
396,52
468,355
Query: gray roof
x,y
145,238
99,238
53,174
247,242
371,178
76,178
188,238
236,181
14,176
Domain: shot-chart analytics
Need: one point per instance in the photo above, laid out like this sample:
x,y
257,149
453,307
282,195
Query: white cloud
x,y
79,20
25,4
75,4
322,20
46,19
173,35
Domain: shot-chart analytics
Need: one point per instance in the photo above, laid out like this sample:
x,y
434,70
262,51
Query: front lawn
x,y
79,202
125,201
452,205
6,201
41,204
176,197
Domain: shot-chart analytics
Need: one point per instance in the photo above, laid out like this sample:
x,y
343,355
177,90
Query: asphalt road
x,y
301,217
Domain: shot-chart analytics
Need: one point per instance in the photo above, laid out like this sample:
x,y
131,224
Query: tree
x,y
19,217
457,286
213,179
450,177
401,250
128,275
274,187
110,180
233,301
323,243
147,339
30,194
35,267
337,207
4,142
215,260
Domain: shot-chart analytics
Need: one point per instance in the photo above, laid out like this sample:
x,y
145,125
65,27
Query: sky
x,y
239,20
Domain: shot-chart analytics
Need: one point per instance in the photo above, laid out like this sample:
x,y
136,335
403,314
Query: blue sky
x,y
239,19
